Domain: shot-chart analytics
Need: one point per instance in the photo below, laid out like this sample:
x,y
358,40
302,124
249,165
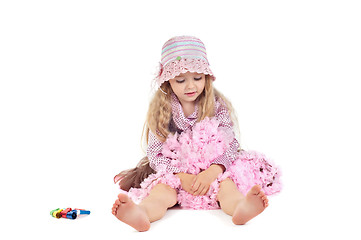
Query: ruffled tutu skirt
x,y
249,169
194,150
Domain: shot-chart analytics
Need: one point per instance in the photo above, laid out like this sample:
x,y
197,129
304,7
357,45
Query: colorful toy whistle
x,y
80,212
68,213
71,214
64,213
56,213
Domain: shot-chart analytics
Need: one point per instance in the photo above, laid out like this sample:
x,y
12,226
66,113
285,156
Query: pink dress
x,y
196,146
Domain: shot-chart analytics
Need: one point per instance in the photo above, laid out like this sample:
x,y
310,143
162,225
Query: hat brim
x,y
174,68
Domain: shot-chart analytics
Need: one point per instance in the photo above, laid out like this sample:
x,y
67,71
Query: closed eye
x,y
183,80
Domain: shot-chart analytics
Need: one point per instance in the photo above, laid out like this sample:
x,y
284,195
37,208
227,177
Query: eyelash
x,y
181,81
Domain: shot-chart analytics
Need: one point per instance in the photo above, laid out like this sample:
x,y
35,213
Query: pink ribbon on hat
x,y
161,68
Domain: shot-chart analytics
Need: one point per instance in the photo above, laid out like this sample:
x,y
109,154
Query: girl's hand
x,y
203,180
187,181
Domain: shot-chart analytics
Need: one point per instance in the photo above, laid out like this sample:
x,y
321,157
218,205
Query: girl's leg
x,y
241,208
161,198
151,209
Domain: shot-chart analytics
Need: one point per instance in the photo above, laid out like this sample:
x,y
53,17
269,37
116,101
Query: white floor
x,y
290,216
282,220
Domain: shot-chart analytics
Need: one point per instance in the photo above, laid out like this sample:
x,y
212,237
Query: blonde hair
x,y
160,109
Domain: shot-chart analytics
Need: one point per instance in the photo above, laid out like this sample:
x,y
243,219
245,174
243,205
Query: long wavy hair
x,y
158,118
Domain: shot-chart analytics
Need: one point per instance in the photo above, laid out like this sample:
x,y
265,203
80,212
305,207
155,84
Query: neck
x,y
188,108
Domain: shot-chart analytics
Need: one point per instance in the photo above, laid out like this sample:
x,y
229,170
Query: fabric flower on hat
x,y
159,70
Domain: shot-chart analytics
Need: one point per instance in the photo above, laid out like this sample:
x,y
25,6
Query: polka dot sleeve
x,y
223,117
156,159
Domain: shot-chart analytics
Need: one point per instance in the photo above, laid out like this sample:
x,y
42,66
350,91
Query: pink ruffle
x,y
194,150
173,69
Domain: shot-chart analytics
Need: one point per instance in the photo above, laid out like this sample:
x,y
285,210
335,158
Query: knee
x,y
169,195
163,187
227,181
226,186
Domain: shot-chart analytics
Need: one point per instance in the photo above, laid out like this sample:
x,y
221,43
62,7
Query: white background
x,y
75,86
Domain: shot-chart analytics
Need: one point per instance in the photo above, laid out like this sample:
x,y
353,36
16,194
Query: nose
x,y
190,84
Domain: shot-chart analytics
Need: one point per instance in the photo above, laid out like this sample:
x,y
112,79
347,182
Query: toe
x,y
117,203
123,198
261,194
255,190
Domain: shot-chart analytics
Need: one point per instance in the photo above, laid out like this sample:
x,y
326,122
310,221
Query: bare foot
x,y
254,203
130,213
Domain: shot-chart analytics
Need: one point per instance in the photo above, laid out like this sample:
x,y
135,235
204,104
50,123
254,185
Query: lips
x,y
190,94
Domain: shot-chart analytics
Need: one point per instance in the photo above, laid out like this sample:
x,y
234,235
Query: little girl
x,y
187,112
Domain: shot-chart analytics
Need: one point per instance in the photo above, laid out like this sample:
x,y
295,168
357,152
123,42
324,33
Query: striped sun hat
x,y
180,55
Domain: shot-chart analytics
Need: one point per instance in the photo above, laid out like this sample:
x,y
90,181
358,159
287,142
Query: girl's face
x,y
188,86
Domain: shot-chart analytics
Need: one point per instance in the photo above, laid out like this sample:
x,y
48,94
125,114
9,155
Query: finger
x,y
196,186
195,180
190,189
204,191
195,191
199,191
187,188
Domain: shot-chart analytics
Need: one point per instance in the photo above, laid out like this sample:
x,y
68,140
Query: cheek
x,y
201,85
178,88
178,91
175,87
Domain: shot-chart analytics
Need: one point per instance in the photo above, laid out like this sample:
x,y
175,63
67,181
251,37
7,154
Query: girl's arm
x,y
158,162
225,121
156,159
229,155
